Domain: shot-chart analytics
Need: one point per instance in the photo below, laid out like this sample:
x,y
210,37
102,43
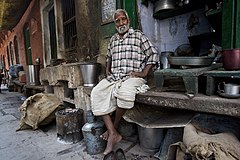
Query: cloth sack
x,y
205,146
38,109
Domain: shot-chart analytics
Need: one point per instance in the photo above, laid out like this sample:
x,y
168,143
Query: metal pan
x,y
190,61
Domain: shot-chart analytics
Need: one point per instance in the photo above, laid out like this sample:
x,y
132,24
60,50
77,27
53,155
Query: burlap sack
x,y
204,146
38,109
221,146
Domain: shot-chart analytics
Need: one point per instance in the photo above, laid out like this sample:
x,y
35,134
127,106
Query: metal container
x,y
91,133
127,129
231,59
163,5
33,74
90,73
150,139
173,135
229,88
69,123
164,59
190,61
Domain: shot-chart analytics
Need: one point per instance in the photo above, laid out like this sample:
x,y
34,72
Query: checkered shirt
x,y
131,53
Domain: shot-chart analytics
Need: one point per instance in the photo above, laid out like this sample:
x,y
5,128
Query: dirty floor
x,y
42,143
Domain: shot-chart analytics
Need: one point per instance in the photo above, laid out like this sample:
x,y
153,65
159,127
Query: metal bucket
x,y
127,129
150,139
33,74
90,73
69,124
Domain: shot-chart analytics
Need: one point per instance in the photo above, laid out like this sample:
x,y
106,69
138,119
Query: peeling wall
x,y
87,28
87,24
168,34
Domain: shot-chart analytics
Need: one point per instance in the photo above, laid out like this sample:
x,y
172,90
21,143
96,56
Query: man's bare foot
x,y
104,136
112,140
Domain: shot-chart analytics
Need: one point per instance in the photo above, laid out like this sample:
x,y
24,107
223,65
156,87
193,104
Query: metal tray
x,y
190,61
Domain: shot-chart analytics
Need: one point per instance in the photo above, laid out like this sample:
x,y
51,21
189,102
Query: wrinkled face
x,y
121,23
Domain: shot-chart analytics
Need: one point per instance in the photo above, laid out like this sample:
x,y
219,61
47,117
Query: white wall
x,y
168,34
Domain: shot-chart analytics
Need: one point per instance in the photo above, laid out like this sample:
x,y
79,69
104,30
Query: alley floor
x,y
42,143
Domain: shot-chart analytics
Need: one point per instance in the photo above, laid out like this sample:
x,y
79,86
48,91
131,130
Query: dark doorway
x,y
52,29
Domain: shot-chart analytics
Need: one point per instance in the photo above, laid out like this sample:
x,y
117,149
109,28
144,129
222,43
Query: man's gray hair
x,y
118,11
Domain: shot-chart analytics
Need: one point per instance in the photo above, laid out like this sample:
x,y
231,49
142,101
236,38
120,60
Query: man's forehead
x,y
120,14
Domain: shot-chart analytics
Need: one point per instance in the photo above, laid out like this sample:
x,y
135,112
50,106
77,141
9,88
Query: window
x,y
69,24
8,57
52,30
3,61
16,50
11,53
28,46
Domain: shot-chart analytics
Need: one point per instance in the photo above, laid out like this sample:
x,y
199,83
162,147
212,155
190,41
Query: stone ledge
x,y
37,87
66,72
16,82
200,103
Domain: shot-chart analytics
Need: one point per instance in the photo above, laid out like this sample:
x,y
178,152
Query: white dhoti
x,y
106,96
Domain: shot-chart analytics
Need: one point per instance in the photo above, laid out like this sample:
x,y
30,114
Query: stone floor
x,y
42,143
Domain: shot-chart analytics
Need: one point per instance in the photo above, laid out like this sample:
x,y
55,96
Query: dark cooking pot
x,y
231,59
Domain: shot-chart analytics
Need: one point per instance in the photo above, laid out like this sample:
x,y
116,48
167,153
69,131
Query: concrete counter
x,y
200,103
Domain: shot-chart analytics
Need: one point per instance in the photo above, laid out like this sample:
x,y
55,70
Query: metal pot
x,y
229,88
90,73
231,59
164,59
150,139
164,5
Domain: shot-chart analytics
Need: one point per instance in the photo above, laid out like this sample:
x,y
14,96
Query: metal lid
x,y
90,117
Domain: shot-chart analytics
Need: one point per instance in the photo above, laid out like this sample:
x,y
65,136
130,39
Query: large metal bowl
x,y
190,61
